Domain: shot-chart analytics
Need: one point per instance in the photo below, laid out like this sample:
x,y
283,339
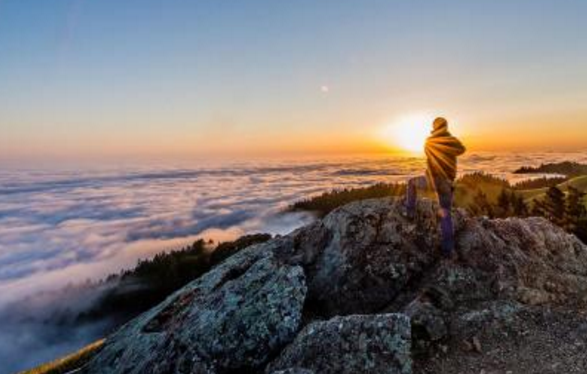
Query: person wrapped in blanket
x,y
442,150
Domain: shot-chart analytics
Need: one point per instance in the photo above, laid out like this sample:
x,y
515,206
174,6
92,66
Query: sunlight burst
x,y
409,133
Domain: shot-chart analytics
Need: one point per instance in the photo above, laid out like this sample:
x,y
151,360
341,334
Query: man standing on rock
x,y
441,150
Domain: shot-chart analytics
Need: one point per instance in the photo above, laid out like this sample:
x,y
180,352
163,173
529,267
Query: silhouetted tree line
x,y
508,204
543,182
567,168
151,281
328,201
565,210
473,180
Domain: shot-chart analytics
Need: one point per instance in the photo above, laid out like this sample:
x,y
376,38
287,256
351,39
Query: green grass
x,y
466,188
466,191
533,194
464,194
68,363
579,183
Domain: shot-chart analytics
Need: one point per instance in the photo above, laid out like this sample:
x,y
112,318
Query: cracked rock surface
x,y
231,319
356,344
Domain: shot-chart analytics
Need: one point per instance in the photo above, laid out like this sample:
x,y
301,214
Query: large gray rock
x,y
294,371
529,260
362,256
352,344
234,318
366,257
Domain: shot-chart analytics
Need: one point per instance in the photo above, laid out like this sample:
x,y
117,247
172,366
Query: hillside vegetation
x,y
328,201
567,168
562,200
125,295
465,190
579,183
136,290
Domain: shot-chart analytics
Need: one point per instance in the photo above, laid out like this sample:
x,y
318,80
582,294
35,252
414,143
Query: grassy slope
x,y
464,195
68,363
579,182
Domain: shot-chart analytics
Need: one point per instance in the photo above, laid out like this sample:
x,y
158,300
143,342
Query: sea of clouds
x,y
61,226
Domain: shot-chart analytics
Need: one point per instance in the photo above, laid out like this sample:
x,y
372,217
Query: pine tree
x,y
519,205
504,203
575,205
576,213
580,229
481,205
554,206
537,208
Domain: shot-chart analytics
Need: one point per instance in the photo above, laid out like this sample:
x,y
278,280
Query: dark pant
x,y
444,192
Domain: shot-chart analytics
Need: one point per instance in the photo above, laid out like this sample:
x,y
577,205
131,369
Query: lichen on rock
x,y
351,344
233,318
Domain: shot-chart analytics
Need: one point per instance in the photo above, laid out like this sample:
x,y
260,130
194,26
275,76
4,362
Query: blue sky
x,y
83,76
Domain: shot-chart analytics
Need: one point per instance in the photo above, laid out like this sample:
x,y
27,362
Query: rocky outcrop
x,y
232,319
274,306
352,344
294,371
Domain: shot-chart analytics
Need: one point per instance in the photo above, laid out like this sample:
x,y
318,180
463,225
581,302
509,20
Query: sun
x,y
409,133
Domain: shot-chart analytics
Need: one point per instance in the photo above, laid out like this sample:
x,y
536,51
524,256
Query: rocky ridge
x,y
365,291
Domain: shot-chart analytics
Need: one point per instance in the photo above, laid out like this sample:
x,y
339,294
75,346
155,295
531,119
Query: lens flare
x,y
409,133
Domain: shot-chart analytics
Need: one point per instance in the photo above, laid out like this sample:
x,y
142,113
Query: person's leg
x,y
445,197
412,194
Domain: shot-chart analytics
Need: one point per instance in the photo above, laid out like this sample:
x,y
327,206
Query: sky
x,y
124,78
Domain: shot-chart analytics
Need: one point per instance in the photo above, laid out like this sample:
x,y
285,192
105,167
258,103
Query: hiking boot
x,y
408,212
449,256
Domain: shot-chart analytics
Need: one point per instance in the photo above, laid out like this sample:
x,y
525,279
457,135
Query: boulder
x,y
352,344
232,319
366,257
293,371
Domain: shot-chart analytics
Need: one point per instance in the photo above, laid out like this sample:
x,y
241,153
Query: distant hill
x,y
326,202
543,182
567,168
579,183
465,189
470,185
482,194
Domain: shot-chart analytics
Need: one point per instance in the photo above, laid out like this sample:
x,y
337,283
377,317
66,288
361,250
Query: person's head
x,y
440,124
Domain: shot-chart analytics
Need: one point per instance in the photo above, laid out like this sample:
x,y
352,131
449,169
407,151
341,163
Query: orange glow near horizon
x,y
408,133
357,133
